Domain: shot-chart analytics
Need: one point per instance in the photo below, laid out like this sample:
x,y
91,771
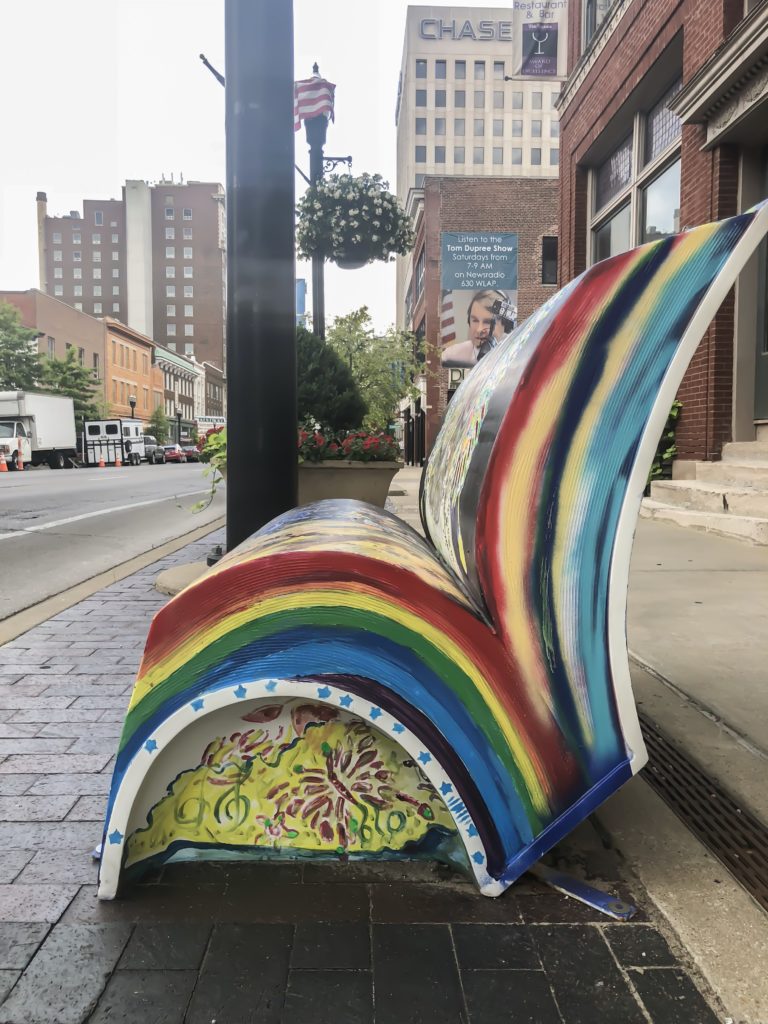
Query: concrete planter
x,y
366,481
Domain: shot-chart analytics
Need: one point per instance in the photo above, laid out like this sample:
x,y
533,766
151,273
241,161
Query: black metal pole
x,y
262,469
317,128
178,427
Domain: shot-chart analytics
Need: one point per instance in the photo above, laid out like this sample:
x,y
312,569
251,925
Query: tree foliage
x,y
383,366
327,391
20,368
68,377
158,425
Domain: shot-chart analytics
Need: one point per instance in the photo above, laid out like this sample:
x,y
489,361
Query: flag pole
x,y
317,129
262,471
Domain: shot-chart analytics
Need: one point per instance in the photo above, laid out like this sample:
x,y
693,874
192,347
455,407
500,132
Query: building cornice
x,y
588,59
729,84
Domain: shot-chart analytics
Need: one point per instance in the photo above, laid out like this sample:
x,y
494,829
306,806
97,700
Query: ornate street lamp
x,y
132,403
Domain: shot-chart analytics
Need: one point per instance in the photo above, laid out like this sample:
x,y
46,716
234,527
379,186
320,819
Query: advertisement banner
x,y
539,49
477,270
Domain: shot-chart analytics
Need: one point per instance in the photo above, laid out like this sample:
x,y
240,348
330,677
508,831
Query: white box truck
x,y
41,426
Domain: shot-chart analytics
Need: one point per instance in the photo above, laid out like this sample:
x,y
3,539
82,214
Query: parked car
x,y
174,453
193,455
153,451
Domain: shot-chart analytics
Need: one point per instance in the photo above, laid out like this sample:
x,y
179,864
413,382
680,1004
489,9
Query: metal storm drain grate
x,y
735,837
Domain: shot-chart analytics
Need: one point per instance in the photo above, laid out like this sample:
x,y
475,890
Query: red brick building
x,y
664,125
520,206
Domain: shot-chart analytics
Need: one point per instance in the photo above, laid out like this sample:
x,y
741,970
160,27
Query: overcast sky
x,y
97,91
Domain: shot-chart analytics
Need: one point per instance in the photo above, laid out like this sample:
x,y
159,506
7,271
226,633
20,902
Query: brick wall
x,y
526,206
709,180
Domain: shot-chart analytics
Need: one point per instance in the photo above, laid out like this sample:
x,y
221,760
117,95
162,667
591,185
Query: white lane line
x,y
98,512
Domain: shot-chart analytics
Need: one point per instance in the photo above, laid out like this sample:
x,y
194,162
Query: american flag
x,y
447,324
312,97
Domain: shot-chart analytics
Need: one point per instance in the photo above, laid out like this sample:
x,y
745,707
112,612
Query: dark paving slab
x,y
166,948
495,947
517,997
65,979
440,904
149,997
587,984
639,947
416,978
670,995
319,947
330,997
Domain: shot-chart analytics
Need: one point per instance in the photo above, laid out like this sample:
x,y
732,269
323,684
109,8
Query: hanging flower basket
x,y
352,221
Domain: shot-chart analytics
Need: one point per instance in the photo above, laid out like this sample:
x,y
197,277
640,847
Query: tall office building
x,y
154,259
476,97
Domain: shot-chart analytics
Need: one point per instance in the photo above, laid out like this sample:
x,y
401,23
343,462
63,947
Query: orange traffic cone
x,y
19,460
118,461
3,464
101,462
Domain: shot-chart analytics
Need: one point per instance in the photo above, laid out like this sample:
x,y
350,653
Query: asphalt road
x,y
58,528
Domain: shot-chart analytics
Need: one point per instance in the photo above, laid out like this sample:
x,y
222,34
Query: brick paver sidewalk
x,y
202,943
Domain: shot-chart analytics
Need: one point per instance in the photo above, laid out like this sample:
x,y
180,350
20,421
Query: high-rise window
x,y
478,155
188,272
79,306
115,256
58,272
535,156
170,234
77,290
536,100
440,68
479,70
498,99
115,239
96,363
498,126
186,213
187,232
517,128
115,289
58,289
57,255
188,310
460,98
170,252
439,97
51,347
517,155
420,154
96,239
170,291
479,126
498,154
77,256
554,129
56,238
189,330
98,218
96,290
439,130
97,307
170,271
421,69
554,157
479,99
115,272
77,273
170,310
76,238
170,329
96,256
187,252
536,129
421,97
458,126
169,211
460,69
81,356
458,154
189,291
439,154
517,100
421,126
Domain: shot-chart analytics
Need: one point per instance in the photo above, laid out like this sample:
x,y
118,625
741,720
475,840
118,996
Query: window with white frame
x,y
78,289
189,291
58,272
594,12
187,232
188,310
97,273
79,306
170,252
187,271
189,330
170,309
115,256
187,213
115,307
170,329
170,271
97,290
115,289
57,238
115,239
635,191
57,255
187,252
96,239
96,256
58,289
170,233
169,213
77,273
115,272
77,238
77,256
170,291
97,307
98,218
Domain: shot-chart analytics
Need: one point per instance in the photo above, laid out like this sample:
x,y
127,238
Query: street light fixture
x,y
132,403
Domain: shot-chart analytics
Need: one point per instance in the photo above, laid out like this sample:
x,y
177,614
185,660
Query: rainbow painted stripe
x,y
499,654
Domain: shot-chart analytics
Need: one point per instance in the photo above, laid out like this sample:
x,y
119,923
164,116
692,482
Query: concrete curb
x,y
21,621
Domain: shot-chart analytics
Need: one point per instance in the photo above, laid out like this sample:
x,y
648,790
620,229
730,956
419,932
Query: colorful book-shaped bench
x,y
339,687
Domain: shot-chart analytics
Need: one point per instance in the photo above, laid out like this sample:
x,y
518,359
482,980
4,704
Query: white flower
x,y
374,238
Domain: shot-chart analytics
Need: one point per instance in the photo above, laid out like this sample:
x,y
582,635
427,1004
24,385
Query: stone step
x,y
712,496
749,528
746,451
761,431
743,474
